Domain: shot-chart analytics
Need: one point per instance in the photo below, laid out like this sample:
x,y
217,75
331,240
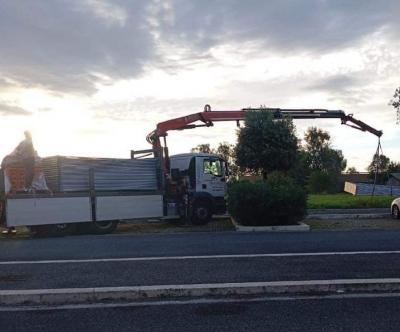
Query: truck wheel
x,y
201,213
103,227
395,212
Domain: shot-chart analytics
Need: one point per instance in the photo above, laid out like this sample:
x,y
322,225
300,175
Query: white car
x,y
396,208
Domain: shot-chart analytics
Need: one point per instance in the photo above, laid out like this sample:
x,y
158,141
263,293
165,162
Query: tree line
x,y
266,145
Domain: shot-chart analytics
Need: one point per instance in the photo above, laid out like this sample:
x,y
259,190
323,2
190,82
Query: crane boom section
x,y
208,117
360,125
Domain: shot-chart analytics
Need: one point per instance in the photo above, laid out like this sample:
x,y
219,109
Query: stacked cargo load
x,y
73,174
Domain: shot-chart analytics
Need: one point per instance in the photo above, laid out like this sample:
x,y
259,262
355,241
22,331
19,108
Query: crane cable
x,y
378,153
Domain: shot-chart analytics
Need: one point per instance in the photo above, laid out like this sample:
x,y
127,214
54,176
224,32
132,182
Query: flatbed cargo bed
x,y
29,209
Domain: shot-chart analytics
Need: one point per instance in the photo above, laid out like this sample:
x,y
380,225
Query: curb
x,y
134,293
301,227
349,216
349,211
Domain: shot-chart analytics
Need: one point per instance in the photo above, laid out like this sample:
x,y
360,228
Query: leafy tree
x,y
203,148
317,142
227,152
265,145
379,164
300,170
352,170
321,157
381,161
322,182
395,102
325,164
394,167
385,167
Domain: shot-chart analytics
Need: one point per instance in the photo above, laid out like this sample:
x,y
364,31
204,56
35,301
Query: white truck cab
x,y
205,175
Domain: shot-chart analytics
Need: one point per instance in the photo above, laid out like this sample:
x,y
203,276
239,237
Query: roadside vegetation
x,y
267,148
385,167
395,102
347,201
276,201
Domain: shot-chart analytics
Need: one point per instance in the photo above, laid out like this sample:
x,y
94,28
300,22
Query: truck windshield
x,y
213,166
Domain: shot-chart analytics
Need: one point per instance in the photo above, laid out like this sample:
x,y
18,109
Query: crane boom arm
x,y
360,125
208,117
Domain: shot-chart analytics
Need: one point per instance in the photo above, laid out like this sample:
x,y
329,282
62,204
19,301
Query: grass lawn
x,y
347,201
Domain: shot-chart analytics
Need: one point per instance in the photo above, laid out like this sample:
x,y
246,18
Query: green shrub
x,y
322,183
276,201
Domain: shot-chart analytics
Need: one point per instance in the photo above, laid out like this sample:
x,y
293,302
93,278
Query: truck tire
x,y
103,227
201,213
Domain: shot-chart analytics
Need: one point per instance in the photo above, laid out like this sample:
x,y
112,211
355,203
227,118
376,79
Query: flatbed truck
x,y
192,186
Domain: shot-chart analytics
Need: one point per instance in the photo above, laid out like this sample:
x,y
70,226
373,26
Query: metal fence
x,y
360,189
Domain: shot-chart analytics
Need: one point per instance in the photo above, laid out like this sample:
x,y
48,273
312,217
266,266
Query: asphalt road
x,y
148,245
198,271
175,269
343,314
156,259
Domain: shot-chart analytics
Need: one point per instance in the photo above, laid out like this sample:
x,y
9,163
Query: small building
x,y
394,179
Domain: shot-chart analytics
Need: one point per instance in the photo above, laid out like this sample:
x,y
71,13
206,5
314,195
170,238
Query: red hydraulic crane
x,y
208,117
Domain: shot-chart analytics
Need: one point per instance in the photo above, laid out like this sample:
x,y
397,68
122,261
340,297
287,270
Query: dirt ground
x,y
144,226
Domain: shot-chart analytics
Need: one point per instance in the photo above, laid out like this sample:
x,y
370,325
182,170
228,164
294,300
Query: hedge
x,y
276,201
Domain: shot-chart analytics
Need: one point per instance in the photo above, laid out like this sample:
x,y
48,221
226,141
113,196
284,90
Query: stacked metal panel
x,y
360,189
72,174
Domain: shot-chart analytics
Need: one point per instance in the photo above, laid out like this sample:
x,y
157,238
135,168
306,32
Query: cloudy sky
x,y
93,77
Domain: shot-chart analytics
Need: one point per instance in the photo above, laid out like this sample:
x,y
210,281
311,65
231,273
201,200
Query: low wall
x,y
366,189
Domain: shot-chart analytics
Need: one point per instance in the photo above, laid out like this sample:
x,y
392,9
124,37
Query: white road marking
x,y
196,302
168,258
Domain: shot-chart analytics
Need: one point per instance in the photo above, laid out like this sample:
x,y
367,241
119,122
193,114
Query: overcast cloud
x,y
69,45
12,110
146,60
